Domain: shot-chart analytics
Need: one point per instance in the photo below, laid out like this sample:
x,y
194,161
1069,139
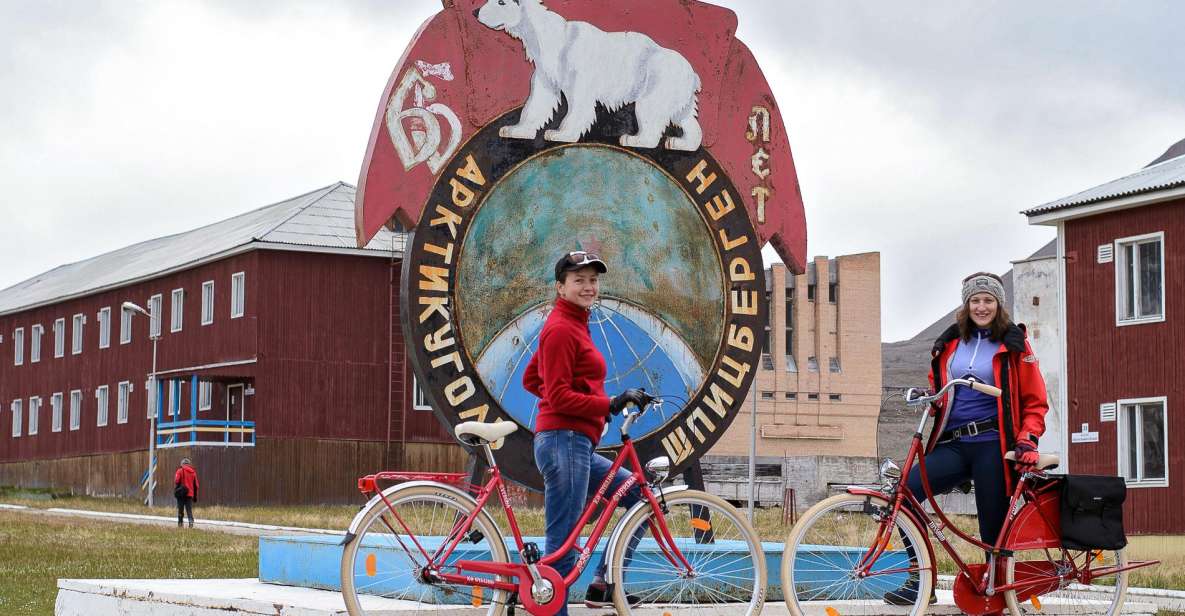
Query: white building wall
x,y
1035,303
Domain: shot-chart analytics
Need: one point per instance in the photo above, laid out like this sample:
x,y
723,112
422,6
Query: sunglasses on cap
x,y
577,258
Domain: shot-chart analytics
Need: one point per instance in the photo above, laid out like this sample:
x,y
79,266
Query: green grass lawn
x,y
36,551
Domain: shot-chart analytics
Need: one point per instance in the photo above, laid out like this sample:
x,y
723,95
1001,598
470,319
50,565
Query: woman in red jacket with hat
x,y
973,431
567,373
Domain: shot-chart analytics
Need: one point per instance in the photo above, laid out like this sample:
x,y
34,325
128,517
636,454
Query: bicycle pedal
x,y
475,536
530,553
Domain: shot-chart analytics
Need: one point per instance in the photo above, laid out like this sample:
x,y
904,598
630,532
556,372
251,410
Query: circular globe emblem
x,y
681,310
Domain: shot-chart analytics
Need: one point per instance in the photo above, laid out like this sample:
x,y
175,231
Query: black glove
x,y
637,397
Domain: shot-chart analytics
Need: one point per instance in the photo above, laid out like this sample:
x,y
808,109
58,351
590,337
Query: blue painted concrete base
x,y
315,561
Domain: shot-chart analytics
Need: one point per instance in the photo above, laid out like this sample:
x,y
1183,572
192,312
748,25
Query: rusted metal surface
x,y
643,257
458,75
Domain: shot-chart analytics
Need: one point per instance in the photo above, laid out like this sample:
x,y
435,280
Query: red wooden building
x,y
1121,246
279,344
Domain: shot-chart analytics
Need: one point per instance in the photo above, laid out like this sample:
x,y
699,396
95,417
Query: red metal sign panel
x,y
677,63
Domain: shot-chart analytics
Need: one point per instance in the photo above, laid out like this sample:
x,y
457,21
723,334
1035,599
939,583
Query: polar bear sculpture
x,y
589,66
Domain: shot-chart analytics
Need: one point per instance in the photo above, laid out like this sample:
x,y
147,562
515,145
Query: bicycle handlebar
x,y
632,416
918,397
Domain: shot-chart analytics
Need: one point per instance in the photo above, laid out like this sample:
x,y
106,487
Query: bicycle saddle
x,y
1045,461
478,433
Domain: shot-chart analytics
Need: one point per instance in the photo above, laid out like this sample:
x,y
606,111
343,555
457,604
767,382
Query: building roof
x,y
1167,171
317,220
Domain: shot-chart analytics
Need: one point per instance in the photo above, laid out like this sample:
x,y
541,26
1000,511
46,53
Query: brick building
x,y
280,361
818,390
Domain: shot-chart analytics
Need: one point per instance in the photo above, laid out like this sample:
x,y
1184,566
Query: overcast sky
x,y
920,129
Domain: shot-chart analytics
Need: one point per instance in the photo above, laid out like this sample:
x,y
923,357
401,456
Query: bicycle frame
x,y
1032,522
495,486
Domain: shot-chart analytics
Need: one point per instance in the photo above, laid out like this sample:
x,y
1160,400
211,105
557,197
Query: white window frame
x,y
36,333
76,333
1121,279
104,317
171,401
18,346
59,337
176,310
238,294
75,409
207,302
55,403
419,398
34,414
151,398
123,402
155,306
125,325
102,397
1121,438
16,407
205,395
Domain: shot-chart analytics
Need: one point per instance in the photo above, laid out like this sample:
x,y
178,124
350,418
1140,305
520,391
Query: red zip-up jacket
x,y
188,477
1021,408
567,374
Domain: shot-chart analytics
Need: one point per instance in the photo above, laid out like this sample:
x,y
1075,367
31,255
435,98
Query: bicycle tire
x,y
822,551
388,558
1105,599
644,577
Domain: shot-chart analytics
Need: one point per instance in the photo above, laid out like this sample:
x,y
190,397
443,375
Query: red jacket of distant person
x,y
187,477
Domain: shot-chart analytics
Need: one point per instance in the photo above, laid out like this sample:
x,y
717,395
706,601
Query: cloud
x,y
154,118
934,124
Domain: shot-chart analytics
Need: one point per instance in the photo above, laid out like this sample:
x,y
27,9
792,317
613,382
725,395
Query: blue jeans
x,y
954,462
572,471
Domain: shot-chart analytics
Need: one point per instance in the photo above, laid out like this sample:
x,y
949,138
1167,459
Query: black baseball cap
x,y
575,260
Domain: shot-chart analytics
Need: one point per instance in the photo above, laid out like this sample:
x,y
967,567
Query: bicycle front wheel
x,y
386,560
1049,581
727,572
821,565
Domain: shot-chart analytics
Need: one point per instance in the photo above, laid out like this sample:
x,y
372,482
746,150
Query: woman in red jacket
x,y
185,488
567,374
973,431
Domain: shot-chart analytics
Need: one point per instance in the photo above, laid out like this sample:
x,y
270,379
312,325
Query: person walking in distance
x,y
185,488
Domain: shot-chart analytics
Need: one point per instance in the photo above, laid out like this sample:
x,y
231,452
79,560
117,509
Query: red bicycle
x,y
431,541
847,551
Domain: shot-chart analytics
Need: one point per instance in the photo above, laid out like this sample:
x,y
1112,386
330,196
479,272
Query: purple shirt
x,y
974,358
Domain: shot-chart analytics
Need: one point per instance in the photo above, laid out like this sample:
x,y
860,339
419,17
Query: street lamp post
x,y
129,306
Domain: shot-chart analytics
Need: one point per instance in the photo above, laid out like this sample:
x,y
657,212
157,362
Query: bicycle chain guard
x,y
559,594
970,600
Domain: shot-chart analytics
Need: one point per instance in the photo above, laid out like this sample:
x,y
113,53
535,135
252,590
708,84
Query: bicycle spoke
x,y
380,564
729,571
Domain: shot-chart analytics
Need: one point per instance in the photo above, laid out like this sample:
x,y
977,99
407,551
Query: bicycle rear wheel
x,y
724,552
385,560
1043,567
824,550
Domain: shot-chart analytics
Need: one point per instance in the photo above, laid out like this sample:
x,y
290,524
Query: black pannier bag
x,y
1092,512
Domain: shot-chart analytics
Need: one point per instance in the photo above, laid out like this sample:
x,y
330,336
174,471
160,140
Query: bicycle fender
x,y
610,574
444,489
908,514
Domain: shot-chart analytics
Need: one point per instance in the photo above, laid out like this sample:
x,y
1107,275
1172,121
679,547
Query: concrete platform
x,y
314,561
252,597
